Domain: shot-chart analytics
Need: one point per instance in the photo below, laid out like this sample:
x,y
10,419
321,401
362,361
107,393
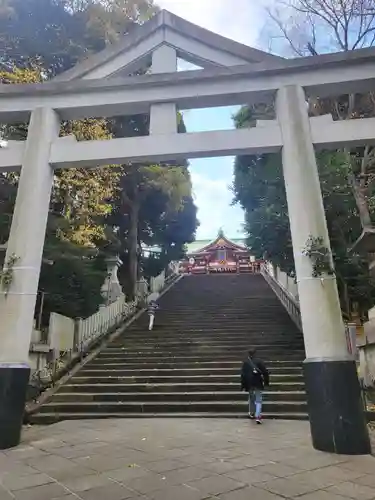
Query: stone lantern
x,y
111,289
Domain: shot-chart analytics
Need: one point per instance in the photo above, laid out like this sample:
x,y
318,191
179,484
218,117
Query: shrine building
x,y
219,256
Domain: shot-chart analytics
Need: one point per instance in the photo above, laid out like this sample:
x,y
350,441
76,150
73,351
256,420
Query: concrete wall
x,y
366,347
287,282
61,332
37,360
367,365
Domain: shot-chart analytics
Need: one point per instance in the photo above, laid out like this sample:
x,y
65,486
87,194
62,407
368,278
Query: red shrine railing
x,y
216,267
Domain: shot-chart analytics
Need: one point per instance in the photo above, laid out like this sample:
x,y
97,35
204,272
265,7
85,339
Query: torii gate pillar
x,y
25,244
334,400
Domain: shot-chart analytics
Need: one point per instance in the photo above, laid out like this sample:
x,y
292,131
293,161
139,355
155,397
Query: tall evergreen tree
x,y
38,40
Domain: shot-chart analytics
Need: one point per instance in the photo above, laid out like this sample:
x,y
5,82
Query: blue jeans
x,y
255,402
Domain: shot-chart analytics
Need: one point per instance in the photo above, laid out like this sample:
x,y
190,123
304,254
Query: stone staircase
x,y
190,364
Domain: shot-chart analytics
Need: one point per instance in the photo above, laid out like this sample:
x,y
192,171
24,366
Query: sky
x,y
212,177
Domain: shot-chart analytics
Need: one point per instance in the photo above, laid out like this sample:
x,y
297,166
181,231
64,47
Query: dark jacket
x,y
152,307
254,374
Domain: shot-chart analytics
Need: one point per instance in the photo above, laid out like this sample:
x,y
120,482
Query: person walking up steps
x,y
152,308
254,378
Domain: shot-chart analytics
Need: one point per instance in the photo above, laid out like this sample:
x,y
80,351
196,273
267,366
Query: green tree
x,y
177,229
302,28
311,27
149,198
58,33
40,39
168,232
74,225
80,197
42,31
71,277
83,199
146,189
259,188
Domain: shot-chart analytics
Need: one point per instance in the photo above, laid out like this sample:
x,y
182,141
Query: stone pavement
x,y
179,459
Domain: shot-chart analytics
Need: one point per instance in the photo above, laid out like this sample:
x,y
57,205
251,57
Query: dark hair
x,y
252,352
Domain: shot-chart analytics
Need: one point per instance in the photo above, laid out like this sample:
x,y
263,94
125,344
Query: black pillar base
x,y
14,379
336,412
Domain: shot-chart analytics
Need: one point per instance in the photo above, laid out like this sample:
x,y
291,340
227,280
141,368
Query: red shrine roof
x,y
221,242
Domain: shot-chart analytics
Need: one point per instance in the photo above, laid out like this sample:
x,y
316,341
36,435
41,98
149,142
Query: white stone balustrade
x,y
67,335
111,289
366,347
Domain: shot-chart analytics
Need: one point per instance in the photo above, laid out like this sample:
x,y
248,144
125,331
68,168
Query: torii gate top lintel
x,y
193,43
325,75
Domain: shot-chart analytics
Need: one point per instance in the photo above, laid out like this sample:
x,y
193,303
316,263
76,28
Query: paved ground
x,y
179,460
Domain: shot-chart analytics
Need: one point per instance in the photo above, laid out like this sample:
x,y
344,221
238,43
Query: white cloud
x,y
213,199
239,20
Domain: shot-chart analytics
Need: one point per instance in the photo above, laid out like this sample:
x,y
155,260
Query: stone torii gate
x,y
232,74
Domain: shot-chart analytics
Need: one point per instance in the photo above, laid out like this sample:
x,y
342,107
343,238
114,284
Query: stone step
x,y
201,338
189,365
221,304
200,349
183,332
248,307
246,325
196,348
235,356
226,305
157,357
210,370
125,371
239,353
165,406
225,309
172,387
154,379
251,324
260,336
215,319
250,310
152,396
195,315
228,325
51,417
209,353
241,343
201,358
203,341
104,364
249,314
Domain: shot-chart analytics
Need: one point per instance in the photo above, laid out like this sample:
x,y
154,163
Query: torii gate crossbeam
x,y
66,152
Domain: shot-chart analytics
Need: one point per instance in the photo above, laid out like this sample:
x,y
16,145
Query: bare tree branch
x,y
348,24
318,26
283,30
